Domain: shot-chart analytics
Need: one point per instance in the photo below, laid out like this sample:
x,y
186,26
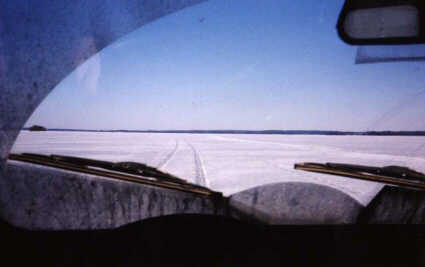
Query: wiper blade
x,y
129,171
391,171
134,168
396,175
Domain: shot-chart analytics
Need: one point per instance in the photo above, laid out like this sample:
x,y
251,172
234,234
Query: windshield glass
x,y
236,71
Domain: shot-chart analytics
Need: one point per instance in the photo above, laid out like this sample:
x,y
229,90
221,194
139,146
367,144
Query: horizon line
x,y
232,130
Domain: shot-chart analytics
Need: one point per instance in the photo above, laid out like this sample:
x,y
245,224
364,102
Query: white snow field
x,y
233,162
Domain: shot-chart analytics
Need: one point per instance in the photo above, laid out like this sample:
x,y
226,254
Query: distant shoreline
x,y
277,132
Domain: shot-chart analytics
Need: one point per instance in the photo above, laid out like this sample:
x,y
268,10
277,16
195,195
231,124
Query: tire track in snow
x,y
201,177
169,156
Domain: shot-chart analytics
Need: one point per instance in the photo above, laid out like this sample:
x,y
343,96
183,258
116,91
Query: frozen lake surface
x,y
233,162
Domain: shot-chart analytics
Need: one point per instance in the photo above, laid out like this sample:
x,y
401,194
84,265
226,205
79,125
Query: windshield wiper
x,y
128,171
396,175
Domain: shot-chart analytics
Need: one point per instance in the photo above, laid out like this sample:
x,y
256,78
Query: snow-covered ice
x,y
233,162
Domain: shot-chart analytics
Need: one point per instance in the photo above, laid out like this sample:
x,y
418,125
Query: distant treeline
x,y
283,132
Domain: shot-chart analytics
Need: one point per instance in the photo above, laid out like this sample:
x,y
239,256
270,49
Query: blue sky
x,y
238,65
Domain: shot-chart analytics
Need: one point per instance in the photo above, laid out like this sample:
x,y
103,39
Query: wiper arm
x,y
129,171
396,175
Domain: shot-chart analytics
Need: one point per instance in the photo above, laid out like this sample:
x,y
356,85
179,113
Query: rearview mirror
x,y
378,22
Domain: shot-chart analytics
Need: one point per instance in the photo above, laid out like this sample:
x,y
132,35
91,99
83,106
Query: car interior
x,y
58,210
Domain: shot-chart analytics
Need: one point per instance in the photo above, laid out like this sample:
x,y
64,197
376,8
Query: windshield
x,y
197,93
